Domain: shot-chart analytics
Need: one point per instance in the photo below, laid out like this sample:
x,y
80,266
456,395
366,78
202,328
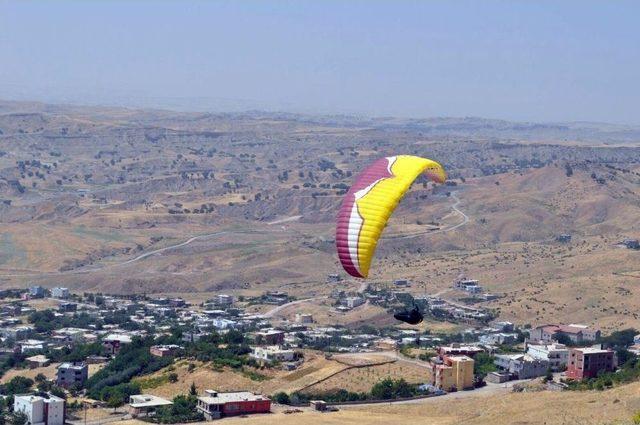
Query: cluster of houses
x,y
544,353
454,311
399,298
47,409
436,306
552,347
159,314
452,368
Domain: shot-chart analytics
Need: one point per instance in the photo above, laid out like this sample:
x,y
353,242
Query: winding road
x,y
487,390
454,207
168,248
394,355
132,260
279,308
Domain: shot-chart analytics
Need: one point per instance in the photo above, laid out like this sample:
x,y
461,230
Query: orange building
x,y
452,373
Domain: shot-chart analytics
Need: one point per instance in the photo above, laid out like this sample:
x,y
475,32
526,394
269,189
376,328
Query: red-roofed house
x,y
578,334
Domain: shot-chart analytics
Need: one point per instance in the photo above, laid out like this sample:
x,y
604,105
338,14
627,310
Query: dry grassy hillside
x,y
317,374
616,406
141,201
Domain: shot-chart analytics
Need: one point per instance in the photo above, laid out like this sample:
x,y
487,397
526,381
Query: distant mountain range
x,y
476,127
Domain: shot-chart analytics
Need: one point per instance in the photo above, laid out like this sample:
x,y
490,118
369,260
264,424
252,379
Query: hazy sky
x,y
523,60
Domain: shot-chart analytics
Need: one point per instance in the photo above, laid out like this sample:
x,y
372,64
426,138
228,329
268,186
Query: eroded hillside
x,y
155,201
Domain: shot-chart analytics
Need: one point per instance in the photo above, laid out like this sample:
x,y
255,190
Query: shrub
x,y
281,398
182,410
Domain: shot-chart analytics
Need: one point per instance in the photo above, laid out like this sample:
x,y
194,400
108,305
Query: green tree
x,y
17,418
58,392
282,398
619,339
624,355
193,390
483,364
17,385
115,400
564,339
234,337
389,389
182,410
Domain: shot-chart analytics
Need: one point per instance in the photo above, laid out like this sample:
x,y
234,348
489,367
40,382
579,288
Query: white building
x,y
144,404
32,346
220,323
273,353
556,354
71,334
17,333
353,302
498,338
40,410
470,285
114,342
61,293
522,366
223,299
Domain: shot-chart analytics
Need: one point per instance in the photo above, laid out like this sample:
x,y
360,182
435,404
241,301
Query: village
x,y
100,344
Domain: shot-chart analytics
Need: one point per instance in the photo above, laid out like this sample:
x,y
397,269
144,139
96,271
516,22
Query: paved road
x,y
279,308
454,207
171,247
389,354
132,260
487,390
285,220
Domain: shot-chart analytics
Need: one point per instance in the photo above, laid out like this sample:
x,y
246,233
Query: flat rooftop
x,y
68,365
592,350
213,397
147,400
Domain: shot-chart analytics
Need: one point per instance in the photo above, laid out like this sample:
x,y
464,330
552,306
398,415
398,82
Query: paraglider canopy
x,y
369,204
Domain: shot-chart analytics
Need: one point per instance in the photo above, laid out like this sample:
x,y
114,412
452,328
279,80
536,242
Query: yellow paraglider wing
x,y
371,201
